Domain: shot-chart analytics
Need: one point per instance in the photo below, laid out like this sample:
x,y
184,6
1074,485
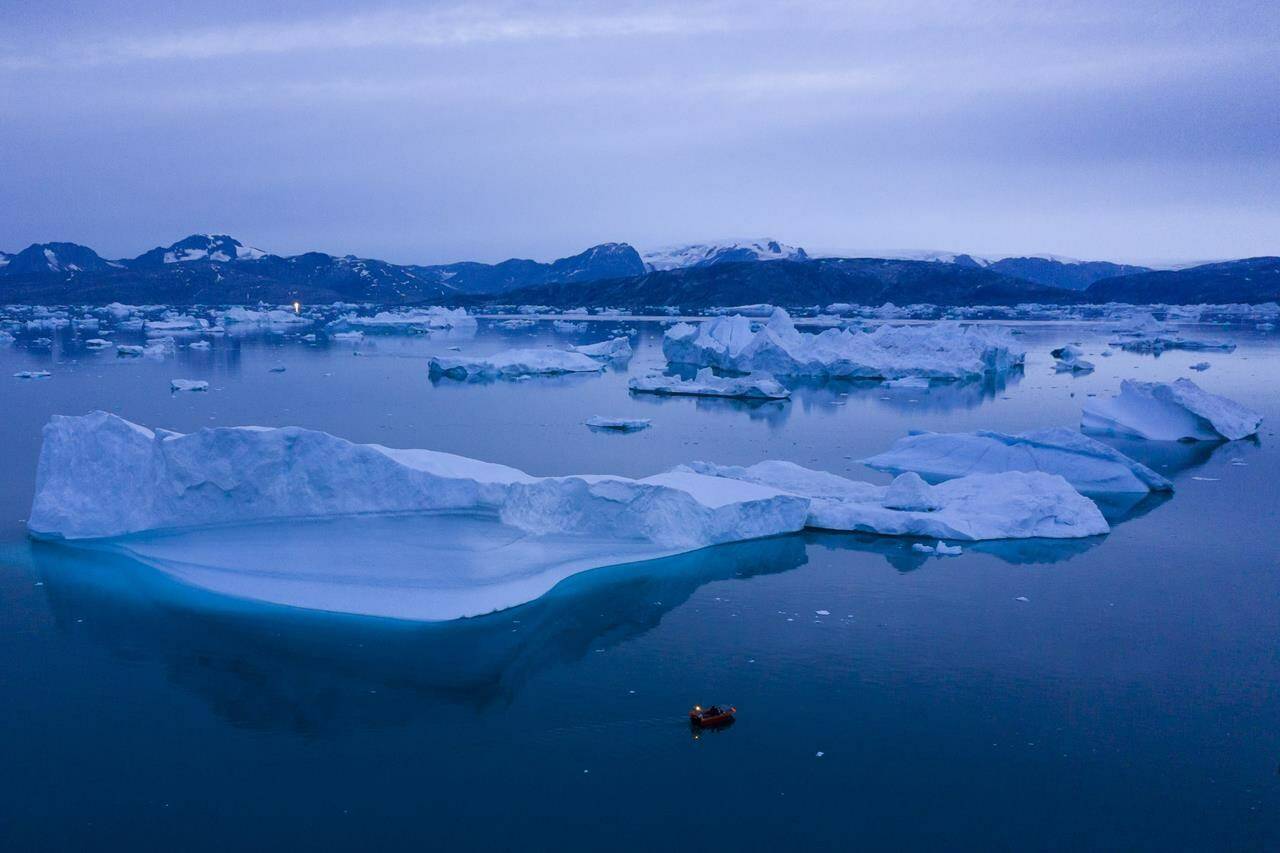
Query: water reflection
x,y
274,668
899,553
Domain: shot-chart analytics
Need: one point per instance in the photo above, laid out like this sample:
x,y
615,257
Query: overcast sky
x,y
439,132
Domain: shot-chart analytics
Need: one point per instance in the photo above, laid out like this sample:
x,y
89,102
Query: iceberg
x,y
513,363
1008,505
946,351
614,348
414,319
1091,467
188,385
514,536
1169,411
618,424
1068,359
707,384
97,343
32,374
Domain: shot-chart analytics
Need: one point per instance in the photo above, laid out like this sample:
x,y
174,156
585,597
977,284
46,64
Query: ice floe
x,y
32,374
513,363
1009,505
707,384
1090,466
618,424
946,351
188,385
1169,411
409,320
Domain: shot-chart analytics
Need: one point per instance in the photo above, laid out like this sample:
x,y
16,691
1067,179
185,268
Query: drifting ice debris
x,y
32,374
1010,505
97,343
619,348
1169,411
618,424
188,385
280,368
922,548
707,384
1068,360
199,345
476,536
271,317
945,351
513,363
942,549
1200,366
1090,466
1159,343
568,327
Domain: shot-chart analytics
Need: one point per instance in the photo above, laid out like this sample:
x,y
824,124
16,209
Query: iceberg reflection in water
x,y
273,668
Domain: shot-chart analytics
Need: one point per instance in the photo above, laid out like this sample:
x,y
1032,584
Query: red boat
x,y
712,716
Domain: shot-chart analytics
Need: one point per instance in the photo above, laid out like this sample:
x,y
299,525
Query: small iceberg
x,y
513,363
1169,411
32,374
406,321
914,382
1009,505
1069,359
188,385
614,348
944,351
1091,467
618,424
97,343
707,384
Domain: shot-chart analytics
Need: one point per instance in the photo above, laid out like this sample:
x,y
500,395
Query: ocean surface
x,y
887,699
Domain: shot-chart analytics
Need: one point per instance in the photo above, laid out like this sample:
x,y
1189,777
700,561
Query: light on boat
x,y
297,307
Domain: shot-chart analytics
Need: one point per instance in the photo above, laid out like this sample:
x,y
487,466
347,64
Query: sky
x,y
435,132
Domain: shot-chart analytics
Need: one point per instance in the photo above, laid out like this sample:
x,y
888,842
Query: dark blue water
x,y
1133,702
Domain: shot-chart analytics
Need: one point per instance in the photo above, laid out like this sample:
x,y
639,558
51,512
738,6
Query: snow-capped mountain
x,y
65,258
217,248
707,254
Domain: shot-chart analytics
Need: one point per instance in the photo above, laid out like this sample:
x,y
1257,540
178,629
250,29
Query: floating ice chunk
x,y
907,382
1009,505
945,351
347,336
1169,411
1200,366
1090,466
922,548
707,384
618,424
1160,343
1069,360
279,368
199,345
942,549
568,327
614,348
410,320
513,363
97,343
157,349
269,317
188,385
32,374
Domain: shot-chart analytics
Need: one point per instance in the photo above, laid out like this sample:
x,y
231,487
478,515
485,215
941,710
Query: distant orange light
x,y
297,307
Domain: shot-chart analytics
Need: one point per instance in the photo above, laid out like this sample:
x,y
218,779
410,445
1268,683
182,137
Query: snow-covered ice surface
x,y
101,477
510,364
1092,467
1169,411
707,384
946,351
1010,505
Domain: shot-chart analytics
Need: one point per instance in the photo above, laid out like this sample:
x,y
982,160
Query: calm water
x,y
1132,702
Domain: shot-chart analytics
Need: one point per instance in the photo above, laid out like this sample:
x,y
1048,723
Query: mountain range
x,y
218,269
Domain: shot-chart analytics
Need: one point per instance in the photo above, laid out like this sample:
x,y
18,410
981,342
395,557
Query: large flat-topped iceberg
x,y
408,320
1011,505
935,351
512,363
100,475
1169,411
707,384
1090,466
